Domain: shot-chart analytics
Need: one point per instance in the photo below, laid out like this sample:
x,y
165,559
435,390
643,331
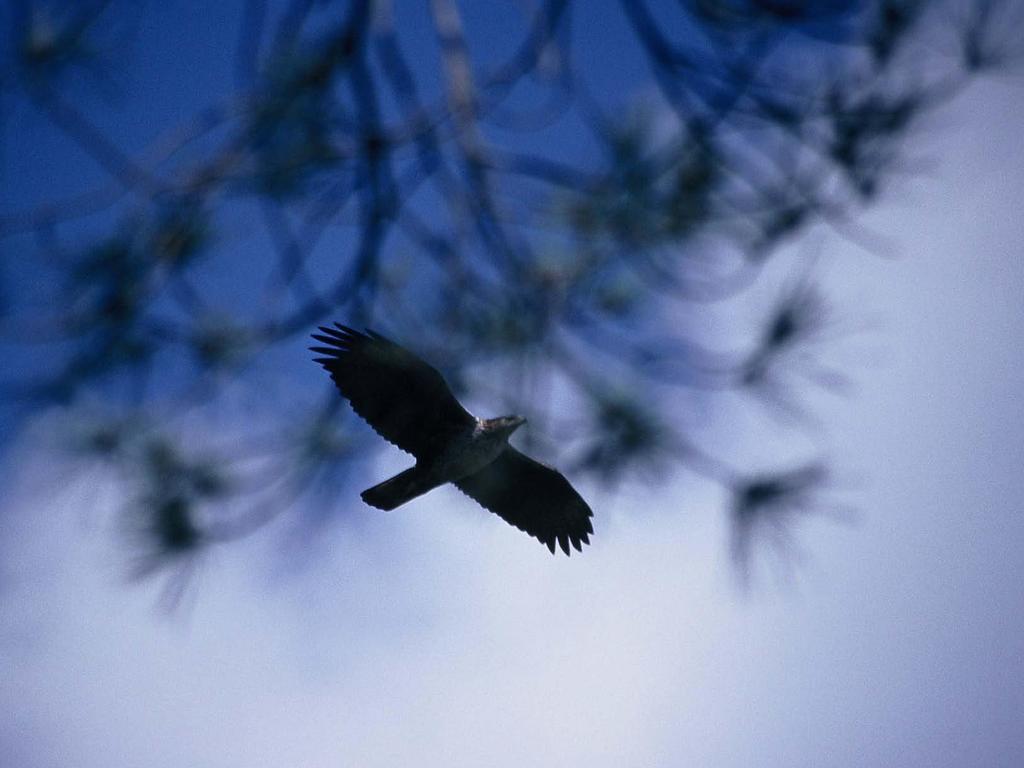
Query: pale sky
x,y
440,636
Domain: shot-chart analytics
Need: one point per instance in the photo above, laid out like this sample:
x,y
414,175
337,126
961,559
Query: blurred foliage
x,y
765,509
544,238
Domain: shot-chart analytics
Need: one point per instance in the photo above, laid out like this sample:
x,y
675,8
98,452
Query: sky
x,y
438,636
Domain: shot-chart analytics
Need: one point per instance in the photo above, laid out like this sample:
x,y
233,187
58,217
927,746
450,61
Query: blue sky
x,y
432,637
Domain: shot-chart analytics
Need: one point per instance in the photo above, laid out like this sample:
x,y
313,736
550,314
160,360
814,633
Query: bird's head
x,y
507,424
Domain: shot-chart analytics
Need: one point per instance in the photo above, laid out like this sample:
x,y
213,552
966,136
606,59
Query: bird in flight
x,y
408,403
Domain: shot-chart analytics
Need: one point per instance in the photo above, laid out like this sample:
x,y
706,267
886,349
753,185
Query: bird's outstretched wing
x,y
533,497
405,400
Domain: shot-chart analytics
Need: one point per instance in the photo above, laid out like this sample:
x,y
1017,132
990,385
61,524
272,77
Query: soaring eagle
x,y
409,404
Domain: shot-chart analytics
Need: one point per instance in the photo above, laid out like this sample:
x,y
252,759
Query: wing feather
x,y
405,400
533,497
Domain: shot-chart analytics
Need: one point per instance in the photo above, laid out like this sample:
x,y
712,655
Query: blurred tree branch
x,y
500,213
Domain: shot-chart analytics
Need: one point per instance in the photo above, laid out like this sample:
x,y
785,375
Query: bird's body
x,y
464,452
408,403
472,450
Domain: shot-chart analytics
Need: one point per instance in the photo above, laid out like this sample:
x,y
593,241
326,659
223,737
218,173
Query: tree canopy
x,y
548,200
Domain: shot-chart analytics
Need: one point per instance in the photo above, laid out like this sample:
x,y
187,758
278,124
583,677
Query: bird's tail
x,y
399,489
